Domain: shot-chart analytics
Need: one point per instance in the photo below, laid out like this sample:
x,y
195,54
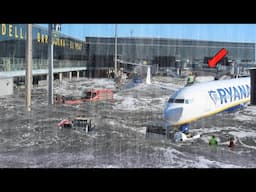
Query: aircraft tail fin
x,y
148,79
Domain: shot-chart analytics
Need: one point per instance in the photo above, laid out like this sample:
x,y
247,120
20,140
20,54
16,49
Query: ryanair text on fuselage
x,y
229,94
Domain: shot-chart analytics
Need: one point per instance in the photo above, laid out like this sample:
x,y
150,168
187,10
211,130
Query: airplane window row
x,y
186,101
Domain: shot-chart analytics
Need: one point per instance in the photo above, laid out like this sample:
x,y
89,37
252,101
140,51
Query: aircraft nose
x,y
173,114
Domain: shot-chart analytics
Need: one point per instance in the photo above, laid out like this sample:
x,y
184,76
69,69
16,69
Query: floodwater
x,y
33,139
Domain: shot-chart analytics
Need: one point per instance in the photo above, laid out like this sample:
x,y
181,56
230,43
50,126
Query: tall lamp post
x,y
28,79
116,50
51,28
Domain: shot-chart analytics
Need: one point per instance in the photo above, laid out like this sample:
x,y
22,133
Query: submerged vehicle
x,y
135,81
97,95
87,95
77,123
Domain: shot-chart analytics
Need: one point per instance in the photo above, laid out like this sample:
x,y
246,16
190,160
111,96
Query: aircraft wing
x,y
170,87
175,87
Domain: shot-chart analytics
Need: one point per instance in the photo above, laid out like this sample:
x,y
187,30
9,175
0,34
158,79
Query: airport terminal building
x,y
70,57
164,52
94,56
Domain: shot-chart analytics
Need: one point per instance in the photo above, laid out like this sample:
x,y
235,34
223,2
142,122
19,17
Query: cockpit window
x,y
172,100
188,101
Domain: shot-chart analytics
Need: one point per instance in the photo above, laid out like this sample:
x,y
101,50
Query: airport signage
x,y
18,31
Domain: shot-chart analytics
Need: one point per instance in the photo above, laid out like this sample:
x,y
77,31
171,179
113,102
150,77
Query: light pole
x,y
51,28
50,65
116,50
28,80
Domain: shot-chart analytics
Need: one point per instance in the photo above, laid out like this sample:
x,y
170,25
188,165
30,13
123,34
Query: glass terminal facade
x,y
96,54
164,52
68,52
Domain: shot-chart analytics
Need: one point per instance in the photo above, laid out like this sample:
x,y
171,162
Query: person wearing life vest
x,y
213,141
191,79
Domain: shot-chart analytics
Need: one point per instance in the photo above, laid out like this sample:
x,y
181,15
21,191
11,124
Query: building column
x,y
70,75
60,76
77,74
253,86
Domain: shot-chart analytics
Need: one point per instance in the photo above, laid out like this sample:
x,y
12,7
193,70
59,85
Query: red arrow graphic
x,y
220,55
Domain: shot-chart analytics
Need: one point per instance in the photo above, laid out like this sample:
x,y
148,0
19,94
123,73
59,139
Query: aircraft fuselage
x,y
205,99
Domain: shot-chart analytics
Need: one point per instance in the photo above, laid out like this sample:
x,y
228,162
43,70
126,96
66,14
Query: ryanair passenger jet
x,y
205,99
